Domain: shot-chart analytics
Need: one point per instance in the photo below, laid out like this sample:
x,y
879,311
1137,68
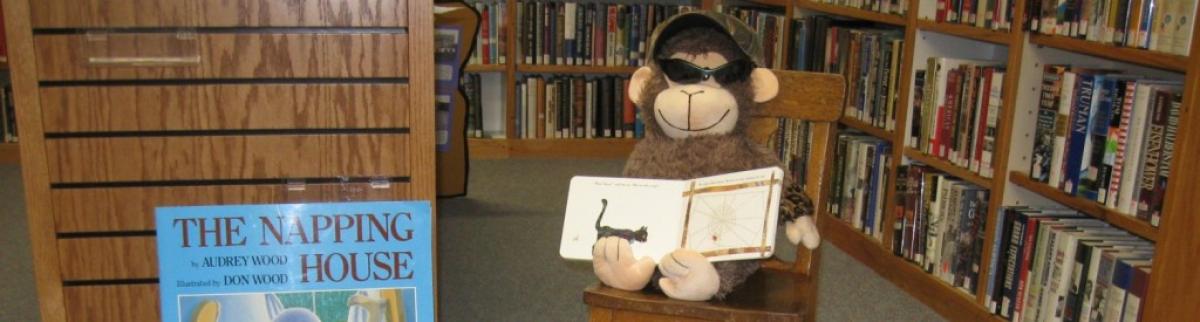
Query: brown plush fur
x,y
662,157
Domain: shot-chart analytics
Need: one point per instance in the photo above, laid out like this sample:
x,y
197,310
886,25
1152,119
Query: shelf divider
x,y
1092,208
1001,37
948,168
1130,55
868,128
856,13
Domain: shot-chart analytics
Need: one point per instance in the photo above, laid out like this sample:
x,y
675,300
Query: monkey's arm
x,y
796,214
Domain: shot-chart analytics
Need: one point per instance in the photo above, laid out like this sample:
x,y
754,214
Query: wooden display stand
x,y
125,105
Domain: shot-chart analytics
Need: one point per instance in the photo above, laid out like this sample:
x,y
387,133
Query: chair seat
x,y
768,295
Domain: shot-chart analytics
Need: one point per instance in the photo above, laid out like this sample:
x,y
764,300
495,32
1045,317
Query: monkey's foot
x,y
688,276
614,264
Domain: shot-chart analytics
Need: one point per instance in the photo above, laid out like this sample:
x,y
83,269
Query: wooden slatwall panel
x,y
172,13
239,55
108,258
116,303
226,157
132,209
208,107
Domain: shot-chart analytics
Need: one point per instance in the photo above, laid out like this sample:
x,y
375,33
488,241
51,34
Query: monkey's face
x,y
699,108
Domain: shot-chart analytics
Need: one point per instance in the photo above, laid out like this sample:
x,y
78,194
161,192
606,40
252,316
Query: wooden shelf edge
x,y
492,68
482,149
569,69
1130,55
1092,208
10,153
949,302
856,13
949,168
774,3
868,128
966,31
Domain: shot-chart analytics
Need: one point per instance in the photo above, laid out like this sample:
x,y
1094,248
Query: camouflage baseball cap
x,y
741,34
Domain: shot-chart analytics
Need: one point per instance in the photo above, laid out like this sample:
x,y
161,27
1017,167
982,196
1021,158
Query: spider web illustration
x,y
726,220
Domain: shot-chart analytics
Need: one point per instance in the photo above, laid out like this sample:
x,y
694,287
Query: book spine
x,y
1043,137
1153,155
1062,129
1164,164
1081,114
1118,141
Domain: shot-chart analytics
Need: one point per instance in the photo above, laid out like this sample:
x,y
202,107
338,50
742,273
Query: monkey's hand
x,y
614,264
803,231
688,276
796,212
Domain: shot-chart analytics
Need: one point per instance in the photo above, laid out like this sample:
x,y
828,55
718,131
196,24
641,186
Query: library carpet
x,y
498,253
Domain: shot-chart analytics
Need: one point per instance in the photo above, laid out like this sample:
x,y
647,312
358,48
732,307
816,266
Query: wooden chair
x,y
780,291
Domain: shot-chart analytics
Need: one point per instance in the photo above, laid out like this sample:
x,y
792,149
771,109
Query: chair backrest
x,y
817,98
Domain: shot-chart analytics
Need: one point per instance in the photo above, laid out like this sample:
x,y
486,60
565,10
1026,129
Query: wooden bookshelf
x,y
9,153
1131,55
490,68
948,168
868,128
856,13
952,303
550,148
1002,37
1092,208
568,69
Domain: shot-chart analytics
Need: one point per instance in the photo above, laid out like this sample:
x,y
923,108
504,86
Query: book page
x,y
628,206
733,216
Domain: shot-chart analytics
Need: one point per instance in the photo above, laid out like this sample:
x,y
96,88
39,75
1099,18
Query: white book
x,y
589,110
1131,171
1182,32
1059,283
569,30
1057,154
725,217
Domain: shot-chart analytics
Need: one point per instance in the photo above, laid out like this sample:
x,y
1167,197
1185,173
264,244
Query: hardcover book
x,y
725,217
358,261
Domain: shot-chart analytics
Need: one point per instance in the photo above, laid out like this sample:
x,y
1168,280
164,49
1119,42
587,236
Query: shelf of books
x,y
975,105
951,302
575,69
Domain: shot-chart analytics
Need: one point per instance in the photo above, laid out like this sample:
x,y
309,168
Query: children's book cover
x,y
317,262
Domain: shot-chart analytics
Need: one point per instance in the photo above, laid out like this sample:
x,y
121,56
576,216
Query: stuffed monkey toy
x,y
701,77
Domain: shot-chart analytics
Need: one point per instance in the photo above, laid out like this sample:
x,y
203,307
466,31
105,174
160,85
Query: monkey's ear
x,y
764,82
637,82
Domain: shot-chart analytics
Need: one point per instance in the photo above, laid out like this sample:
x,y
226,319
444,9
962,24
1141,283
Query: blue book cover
x,y
354,262
1078,136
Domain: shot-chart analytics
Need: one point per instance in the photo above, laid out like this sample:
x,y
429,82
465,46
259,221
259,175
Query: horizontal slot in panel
x,y
207,107
112,303
169,13
75,162
110,258
132,208
226,56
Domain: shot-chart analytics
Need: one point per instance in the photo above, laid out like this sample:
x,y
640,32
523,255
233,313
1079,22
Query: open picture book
x,y
725,217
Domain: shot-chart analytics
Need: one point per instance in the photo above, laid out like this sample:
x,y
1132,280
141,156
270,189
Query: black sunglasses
x,y
684,72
